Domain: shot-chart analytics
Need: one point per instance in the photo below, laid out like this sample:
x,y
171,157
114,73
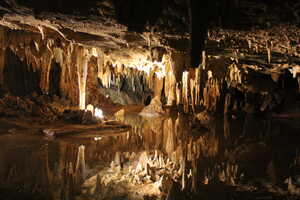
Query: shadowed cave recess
x,y
149,99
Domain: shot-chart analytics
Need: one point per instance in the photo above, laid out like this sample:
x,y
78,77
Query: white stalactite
x,y
185,91
82,71
269,47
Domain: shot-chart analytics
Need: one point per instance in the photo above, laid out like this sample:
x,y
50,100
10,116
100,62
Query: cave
x,y
149,99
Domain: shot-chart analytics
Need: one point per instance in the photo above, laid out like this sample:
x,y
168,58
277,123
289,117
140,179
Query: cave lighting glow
x,y
98,113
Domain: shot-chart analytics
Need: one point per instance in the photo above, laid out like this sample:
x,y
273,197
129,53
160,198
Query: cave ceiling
x,y
100,24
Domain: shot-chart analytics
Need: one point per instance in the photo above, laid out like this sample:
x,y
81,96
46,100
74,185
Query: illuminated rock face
x,y
52,66
35,63
91,61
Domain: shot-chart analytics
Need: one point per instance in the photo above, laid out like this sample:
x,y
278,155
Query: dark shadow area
x,y
63,6
54,79
19,78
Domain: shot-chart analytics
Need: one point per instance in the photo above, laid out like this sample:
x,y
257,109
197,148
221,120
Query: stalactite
x,y
178,94
170,87
269,46
117,159
185,91
170,80
211,94
82,70
203,59
235,75
193,92
197,86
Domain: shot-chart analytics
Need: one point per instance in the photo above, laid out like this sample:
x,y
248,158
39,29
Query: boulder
x,y
155,108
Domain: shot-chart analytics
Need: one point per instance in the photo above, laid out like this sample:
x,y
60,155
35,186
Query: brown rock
x,y
154,109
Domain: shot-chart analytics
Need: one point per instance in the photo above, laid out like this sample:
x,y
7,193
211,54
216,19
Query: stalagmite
x,y
256,48
161,161
269,46
235,74
236,55
90,108
249,44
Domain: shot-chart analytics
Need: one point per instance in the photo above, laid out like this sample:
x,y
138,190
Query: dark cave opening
x,y
20,78
54,79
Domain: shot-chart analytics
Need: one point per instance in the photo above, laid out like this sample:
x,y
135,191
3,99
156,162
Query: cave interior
x,y
149,99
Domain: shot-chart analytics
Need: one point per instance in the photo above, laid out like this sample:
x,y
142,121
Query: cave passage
x,y
140,100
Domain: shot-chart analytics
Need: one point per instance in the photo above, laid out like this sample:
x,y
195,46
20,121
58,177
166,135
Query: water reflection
x,y
158,158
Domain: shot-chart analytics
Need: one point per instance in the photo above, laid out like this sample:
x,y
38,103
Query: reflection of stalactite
x,y
194,174
178,94
47,175
211,94
2,63
169,134
226,127
193,92
80,169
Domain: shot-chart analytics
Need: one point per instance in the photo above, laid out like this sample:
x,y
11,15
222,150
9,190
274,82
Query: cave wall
x,y
34,63
45,61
